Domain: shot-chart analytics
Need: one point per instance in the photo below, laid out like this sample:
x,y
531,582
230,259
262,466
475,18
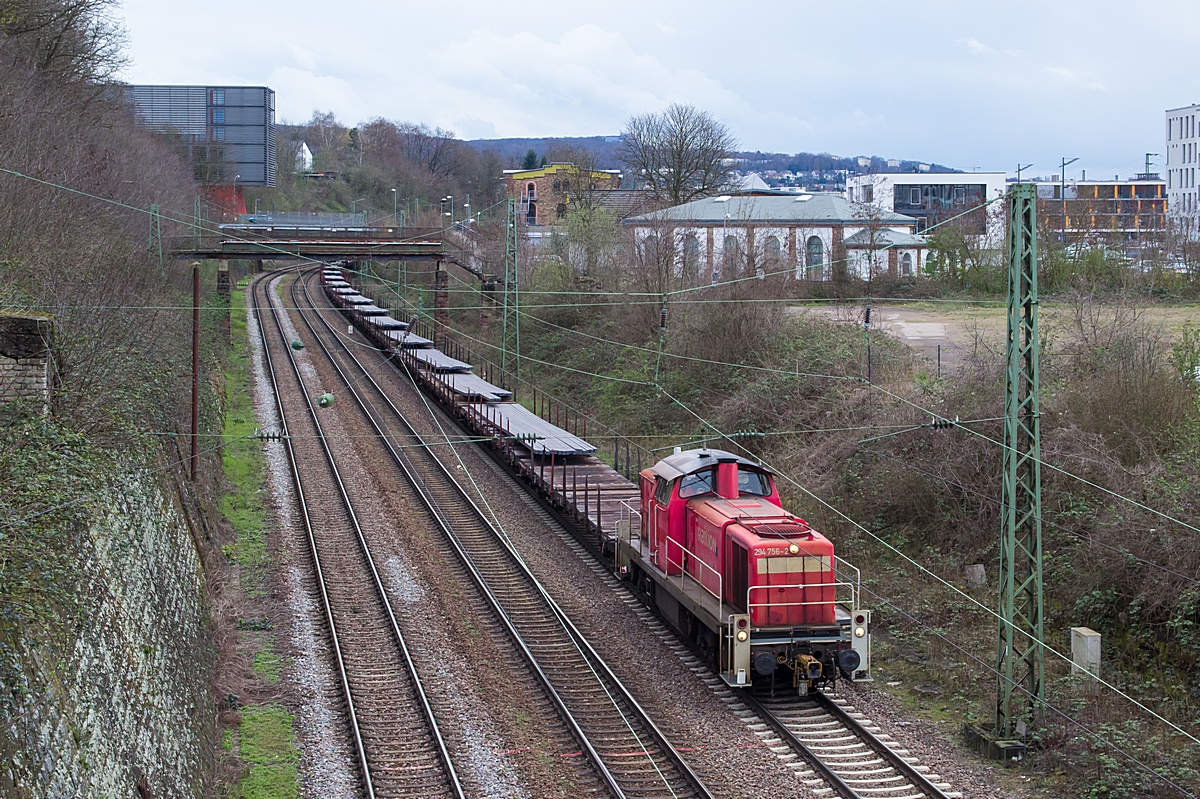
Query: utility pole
x,y
510,341
195,452
154,244
1020,659
1063,192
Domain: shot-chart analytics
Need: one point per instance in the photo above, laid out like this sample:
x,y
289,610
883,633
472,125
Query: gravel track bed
x,y
683,697
930,742
616,729
398,741
505,737
309,685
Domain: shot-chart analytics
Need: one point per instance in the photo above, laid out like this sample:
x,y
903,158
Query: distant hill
x,y
511,151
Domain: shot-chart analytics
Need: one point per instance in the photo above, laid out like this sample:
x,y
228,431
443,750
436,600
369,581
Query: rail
x,y
418,688
443,480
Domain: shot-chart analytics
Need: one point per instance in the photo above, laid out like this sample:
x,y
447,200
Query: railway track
x,y
628,750
398,747
842,750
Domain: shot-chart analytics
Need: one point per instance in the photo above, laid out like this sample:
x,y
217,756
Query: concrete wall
x,y
24,358
120,702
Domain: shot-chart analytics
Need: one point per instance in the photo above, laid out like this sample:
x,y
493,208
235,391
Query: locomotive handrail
x,y
629,517
683,572
857,575
751,589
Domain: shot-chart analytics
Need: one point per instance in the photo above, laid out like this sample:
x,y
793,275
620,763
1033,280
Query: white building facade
x,y
934,197
804,236
1183,209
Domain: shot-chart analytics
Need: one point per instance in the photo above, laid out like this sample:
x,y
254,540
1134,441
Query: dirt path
x,y
956,328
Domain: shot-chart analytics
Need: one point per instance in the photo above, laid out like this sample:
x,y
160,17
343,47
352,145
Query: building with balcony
x,y
1104,212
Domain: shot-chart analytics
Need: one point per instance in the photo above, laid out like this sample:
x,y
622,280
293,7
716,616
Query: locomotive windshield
x,y
751,483
754,483
696,484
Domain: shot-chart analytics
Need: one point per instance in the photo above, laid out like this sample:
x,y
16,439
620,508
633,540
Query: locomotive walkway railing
x,y
750,606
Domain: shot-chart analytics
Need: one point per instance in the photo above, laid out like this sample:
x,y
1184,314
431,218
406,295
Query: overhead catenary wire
x,y
927,571
936,417
920,566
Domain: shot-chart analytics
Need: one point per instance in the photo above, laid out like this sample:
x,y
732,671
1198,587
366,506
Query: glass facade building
x,y
226,132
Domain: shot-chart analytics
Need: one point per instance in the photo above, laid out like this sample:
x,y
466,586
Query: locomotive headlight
x,y
859,632
742,635
793,549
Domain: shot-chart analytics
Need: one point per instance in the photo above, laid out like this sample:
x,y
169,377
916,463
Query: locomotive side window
x,y
753,483
662,491
696,484
739,578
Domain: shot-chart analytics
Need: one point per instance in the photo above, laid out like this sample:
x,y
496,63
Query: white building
x,y
1180,166
933,197
808,236
303,158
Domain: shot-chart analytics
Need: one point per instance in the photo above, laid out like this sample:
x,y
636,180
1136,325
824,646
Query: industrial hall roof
x,y
885,238
782,208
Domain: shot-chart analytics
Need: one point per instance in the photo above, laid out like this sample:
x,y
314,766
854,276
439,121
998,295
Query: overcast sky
x,y
962,83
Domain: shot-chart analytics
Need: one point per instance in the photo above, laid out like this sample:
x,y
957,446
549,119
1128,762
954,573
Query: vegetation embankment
x,y
78,178
260,744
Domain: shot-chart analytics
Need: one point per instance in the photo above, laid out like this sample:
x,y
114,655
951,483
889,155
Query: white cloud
x,y
530,85
1076,79
319,93
952,92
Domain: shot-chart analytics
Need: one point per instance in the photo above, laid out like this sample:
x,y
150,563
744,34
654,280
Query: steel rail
x,y
896,761
418,687
580,640
360,749
439,518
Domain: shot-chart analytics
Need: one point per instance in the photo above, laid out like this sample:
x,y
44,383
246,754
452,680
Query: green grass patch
x,y
268,746
243,461
267,663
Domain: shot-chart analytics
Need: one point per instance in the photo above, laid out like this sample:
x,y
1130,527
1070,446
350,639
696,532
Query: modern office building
x,y
1183,208
227,132
936,197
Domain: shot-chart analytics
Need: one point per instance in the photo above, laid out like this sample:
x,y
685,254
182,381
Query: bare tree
x,y
72,41
681,154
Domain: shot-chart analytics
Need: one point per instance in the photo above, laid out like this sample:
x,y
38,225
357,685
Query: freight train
x,y
701,535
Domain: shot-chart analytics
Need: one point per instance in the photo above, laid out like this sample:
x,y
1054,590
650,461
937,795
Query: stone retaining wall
x,y
24,358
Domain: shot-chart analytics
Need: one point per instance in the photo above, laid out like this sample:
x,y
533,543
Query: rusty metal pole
x,y
195,454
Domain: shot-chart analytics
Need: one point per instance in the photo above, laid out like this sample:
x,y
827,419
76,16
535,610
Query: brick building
x,y
545,194
25,358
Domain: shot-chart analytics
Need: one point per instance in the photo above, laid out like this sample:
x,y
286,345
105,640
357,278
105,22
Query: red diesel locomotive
x,y
753,585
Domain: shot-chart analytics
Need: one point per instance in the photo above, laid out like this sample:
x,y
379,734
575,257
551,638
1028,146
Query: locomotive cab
x,y
766,584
